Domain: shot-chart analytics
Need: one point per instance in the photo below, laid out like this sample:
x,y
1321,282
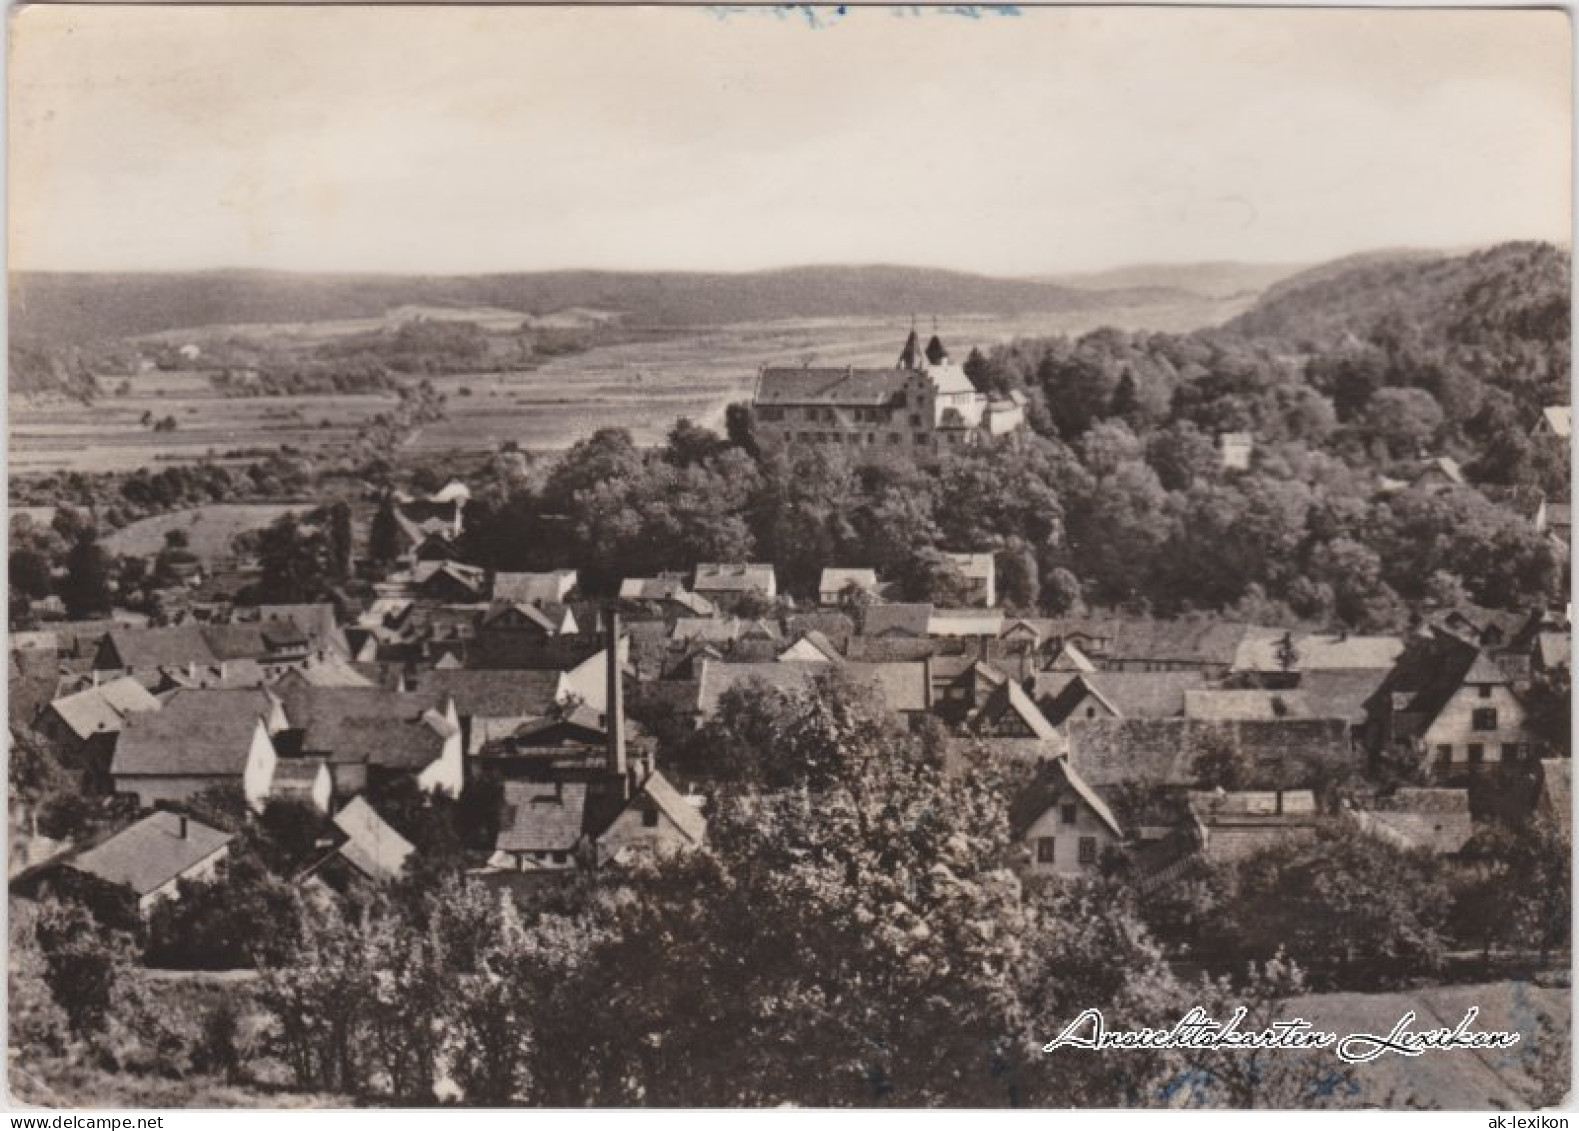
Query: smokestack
x,y
614,707
181,825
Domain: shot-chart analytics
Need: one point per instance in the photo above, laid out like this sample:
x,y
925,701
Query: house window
x,y
1091,712
1069,813
871,437
921,438
1510,751
915,420
1045,849
649,818
953,437
893,437
1088,850
1485,718
1477,753
1485,691
772,414
1444,754
561,857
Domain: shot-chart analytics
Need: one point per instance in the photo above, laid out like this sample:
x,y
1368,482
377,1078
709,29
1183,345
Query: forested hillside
x,y
64,308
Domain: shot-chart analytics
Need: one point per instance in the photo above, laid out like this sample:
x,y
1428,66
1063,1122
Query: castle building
x,y
922,407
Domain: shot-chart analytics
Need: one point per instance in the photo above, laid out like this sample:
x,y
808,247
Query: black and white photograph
x,y
789,557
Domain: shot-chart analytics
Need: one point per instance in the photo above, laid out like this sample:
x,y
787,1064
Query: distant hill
x,y
1517,288
1217,279
69,308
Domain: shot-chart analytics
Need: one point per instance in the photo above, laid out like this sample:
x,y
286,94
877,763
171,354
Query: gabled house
x,y
451,582
902,620
88,722
980,574
666,597
838,586
656,820
1115,695
1009,712
811,647
1447,703
556,586
142,652
318,622
1068,658
371,848
542,825
726,585
369,734
1556,420
1063,824
199,740
1439,474
506,616
144,863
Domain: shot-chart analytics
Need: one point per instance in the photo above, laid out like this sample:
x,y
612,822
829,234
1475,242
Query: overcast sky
x,y
461,140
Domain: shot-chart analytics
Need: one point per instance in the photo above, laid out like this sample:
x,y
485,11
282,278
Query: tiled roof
x,y
1133,695
907,619
1052,780
541,816
530,613
364,725
103,709
965,622
740,577
375,849
903,685
890,649
144,649
818,643
529,587
1316,651
685,816
1339,694
1009,698
1163,751
1435,819
195,734
837,627
836,580
1244,703
149,854
491,693
331,671
850,386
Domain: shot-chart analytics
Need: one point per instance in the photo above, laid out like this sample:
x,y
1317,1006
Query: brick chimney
x,y
180,826
614,707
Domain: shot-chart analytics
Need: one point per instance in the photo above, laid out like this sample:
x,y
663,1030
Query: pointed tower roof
x,y
936,354
911,357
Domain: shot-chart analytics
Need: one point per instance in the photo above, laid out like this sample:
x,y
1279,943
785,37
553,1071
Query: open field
x,y
209,530
644,386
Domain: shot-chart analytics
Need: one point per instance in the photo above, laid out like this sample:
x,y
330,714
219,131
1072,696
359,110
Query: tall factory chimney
x,y
614,708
